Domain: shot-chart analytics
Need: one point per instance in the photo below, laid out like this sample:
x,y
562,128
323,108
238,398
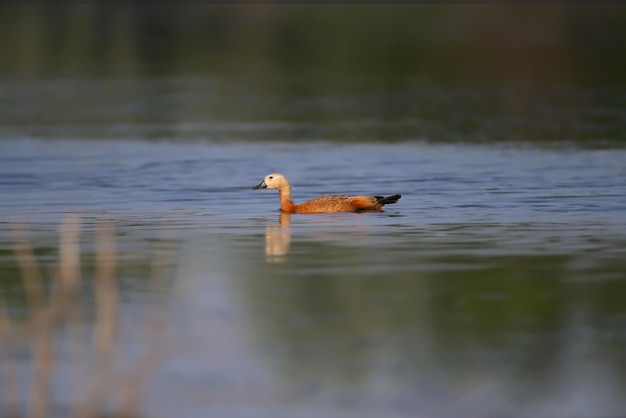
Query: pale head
x,y
272,181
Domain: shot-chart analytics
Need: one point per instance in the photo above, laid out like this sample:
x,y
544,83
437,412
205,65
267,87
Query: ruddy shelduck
x,y
323,204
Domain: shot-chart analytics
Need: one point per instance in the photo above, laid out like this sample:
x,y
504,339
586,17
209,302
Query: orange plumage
x,y
323,204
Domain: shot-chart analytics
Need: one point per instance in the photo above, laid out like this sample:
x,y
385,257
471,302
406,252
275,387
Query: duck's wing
x,y
340,203
327,204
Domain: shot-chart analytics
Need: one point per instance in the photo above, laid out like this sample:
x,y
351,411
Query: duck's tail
x,y
388,200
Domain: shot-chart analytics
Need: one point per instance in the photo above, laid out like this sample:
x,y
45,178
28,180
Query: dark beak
x,y
261,185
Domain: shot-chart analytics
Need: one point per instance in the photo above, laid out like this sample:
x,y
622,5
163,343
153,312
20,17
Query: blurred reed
x,y
60,317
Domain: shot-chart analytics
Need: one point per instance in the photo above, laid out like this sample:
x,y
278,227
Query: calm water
x,y
495,287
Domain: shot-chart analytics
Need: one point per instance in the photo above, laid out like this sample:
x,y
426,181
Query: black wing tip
x,y
388,200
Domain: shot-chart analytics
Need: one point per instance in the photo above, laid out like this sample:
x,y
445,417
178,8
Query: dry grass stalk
x,y
39,325
69,254
68,278
104,336
28,266
63,309
10,382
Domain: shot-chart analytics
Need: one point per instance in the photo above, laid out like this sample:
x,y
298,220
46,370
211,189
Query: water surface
x,y
494,287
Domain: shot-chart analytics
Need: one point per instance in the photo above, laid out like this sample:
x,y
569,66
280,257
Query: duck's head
x,y
272,181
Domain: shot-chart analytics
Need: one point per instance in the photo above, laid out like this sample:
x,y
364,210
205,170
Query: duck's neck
x,y
286,204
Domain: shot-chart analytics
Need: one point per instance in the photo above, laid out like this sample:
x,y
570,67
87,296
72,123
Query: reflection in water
x,y
430,334
278,239
496,291
400,328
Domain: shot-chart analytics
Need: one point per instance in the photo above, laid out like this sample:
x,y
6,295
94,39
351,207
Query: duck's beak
x,y
261,185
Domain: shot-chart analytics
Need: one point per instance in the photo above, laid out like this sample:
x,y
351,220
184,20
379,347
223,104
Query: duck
x,y
323,204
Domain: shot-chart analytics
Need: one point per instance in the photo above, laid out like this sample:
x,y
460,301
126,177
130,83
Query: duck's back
x,y
341,203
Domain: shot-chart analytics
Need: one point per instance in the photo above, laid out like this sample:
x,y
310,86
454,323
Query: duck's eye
x,y
271,177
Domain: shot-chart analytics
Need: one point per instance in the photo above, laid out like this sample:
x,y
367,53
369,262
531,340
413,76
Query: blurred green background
x,y
462,72
467,42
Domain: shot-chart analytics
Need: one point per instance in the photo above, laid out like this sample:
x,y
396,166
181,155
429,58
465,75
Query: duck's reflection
x,y
278,239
